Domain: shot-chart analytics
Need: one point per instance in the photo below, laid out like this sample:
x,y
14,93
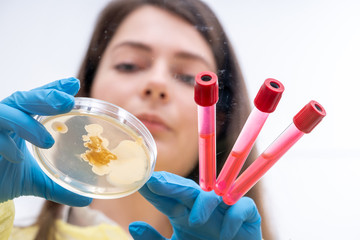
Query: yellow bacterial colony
x,y
125,164
98,154
59,127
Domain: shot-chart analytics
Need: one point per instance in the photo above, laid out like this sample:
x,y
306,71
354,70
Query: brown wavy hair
x,y
232,108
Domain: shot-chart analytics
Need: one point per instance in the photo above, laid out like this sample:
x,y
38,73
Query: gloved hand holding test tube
x,y
265,103
206,95
303,122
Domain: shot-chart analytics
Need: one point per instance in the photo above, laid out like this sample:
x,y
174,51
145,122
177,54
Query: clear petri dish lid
x,y
100,150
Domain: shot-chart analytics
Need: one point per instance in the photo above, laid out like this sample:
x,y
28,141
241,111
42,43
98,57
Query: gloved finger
x,y
63,196
204,206
25,126
173,186
169,206
242,216
142,230
68,85
41,102
9,150
44,187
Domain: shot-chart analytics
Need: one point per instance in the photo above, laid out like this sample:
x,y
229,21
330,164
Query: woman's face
x,y
148,69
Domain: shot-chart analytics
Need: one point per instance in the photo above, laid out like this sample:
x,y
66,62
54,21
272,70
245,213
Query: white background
x,y
312,47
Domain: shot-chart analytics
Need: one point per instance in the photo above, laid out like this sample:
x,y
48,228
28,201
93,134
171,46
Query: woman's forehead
x,y
161,30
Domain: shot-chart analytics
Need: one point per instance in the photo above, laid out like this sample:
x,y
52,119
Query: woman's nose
x,y
157,84
156,91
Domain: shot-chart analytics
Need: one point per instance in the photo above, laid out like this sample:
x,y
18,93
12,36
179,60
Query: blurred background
x,y
311,46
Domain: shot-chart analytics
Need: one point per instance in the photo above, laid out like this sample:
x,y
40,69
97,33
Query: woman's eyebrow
x,y
137,45
192,56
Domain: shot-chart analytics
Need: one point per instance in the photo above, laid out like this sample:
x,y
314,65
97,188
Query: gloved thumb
x,y
142,230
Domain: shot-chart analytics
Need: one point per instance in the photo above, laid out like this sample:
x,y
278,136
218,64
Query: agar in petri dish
x,y
100,150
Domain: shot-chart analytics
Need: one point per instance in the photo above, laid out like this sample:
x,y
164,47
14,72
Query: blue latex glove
x,y
196,214
19,173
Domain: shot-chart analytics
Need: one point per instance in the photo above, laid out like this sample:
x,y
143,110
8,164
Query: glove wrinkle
x,y
8,149
67,85
60,101
204,205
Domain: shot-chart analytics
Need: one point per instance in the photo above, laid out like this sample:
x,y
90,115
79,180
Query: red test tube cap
x,y
206,91
309,116
269,95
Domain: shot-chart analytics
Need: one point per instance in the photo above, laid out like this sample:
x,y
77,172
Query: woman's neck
x,y
133,208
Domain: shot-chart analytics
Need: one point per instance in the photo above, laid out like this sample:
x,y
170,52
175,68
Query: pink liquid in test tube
x,y
265,102
206,94
303,122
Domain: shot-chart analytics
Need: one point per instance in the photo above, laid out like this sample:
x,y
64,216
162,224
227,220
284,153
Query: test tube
x,y
303,122
265,103
206,95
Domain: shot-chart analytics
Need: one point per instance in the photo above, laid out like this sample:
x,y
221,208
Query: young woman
x,y
143,57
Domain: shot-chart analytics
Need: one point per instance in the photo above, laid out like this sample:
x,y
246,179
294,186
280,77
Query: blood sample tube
x,y
265,103
206,95
303,122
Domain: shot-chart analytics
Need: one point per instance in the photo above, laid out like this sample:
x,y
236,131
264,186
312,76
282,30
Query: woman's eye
x,y
127,67
186,78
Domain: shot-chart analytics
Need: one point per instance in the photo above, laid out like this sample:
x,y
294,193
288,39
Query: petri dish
x,y
100,150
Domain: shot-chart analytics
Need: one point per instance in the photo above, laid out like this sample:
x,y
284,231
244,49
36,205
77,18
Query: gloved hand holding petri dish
x,y
100,150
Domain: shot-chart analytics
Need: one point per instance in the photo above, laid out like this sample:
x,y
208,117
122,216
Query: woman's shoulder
x,y
66,231
74,223
23,233
7,214
104,231
87,223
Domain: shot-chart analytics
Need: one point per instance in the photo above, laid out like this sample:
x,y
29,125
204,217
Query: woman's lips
x,y
153,123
